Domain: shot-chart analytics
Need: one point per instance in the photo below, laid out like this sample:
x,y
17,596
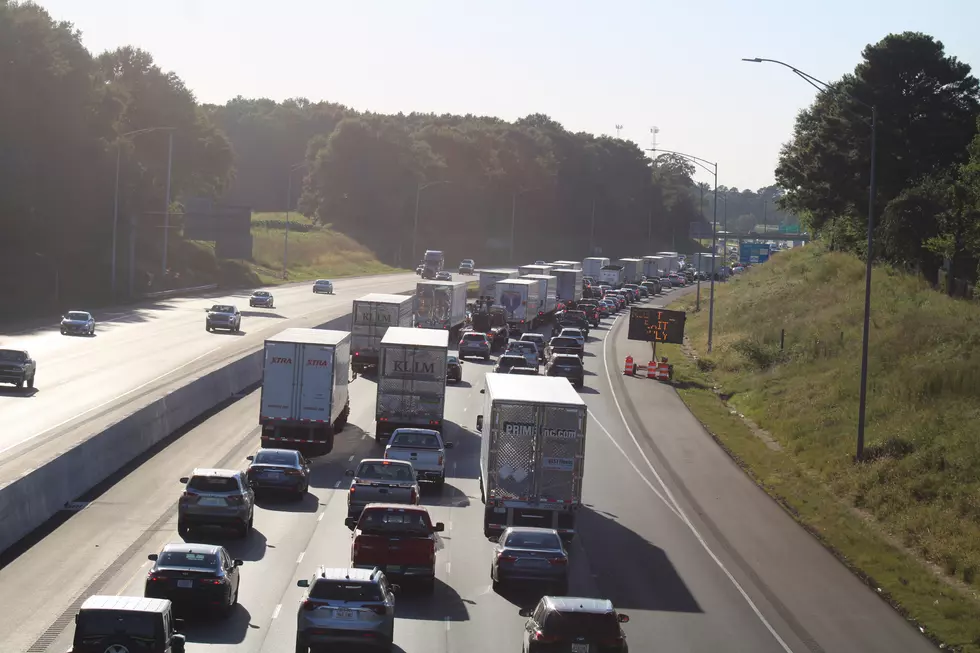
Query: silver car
x,y
526,553
77,322
262,298
346,606
322,286
525,348
216,497
223,316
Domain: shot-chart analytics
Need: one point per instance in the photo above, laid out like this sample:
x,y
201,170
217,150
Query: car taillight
x,y
440,460
352,488
379,609
293,472
153,578
357,353
558,561
234,499
189,496
611,641
414,496
212,581
309,605
505,558
541,637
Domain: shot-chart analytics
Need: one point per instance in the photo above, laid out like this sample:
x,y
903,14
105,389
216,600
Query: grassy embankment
x,y
908,518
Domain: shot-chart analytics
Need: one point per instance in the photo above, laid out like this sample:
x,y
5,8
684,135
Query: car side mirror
x,y
184,479
152,557
493,538
479,423
439,527
350,523
348,472
449,445
395,589
524,612
249,457
239,562
623,618
303,582
483,391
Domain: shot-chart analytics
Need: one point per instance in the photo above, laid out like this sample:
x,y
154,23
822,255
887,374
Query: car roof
x,y
531,530
206,471
565,356
189,547
292,452
129,603
397,506
347,573
409,429
385,461
77,311
579,604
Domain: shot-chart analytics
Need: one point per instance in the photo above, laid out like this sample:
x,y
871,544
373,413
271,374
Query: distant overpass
x,y
772,235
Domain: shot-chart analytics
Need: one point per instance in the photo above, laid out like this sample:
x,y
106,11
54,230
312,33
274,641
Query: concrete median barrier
x,y
39,494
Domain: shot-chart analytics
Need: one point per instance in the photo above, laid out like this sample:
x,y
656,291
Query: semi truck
x,y
632,269
433,261
521,301
411,380
371,317
592,266
440,305
568,265
653,266
490,277
305,399
611,275
569,284
548,292
525,270
532,453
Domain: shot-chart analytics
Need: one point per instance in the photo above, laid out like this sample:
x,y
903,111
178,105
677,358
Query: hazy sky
x,y
589,65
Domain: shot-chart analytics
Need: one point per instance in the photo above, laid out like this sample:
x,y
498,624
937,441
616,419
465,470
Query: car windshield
x,y
568,361
388,520
77,315
564,342
222,308
531,540
348,591
322,281
510,361
12,355
385,471
276,458
582,624
95,623
213,484
524,347
571,333
260,293
188,559
415,439
532,337
474,337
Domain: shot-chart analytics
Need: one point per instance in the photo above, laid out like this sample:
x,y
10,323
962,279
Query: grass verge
x,y
907,520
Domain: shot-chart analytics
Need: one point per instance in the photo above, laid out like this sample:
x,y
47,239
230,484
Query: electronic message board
x,y
657,325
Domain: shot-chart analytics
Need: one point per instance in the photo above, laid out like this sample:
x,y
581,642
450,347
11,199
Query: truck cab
x,y
400,540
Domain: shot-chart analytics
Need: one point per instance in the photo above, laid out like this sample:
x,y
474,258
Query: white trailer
x,y
671,261
489,278
653,266
305,399
532,453
521,301
569,285
371,316
411,380
611,275
632,269
548,293
592,266
569,265
525,270
440,305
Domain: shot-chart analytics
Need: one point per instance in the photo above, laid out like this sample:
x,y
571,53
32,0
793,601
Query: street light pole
x,y
289,206
824,87
592,230
166,219
513,221
415,227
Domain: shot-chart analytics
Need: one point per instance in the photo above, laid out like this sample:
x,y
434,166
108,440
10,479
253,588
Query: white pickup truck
x,y
423,448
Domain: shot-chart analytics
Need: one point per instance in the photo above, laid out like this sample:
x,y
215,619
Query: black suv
x,y
574,320
126,623
576,623
17,367
568,366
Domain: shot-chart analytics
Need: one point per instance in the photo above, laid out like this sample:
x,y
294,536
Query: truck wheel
x,y
429,585
440,482
301,645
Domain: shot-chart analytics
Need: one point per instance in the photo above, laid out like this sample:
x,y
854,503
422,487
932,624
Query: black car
x,y
568,366
126,623
527,371
195,575
560,345
279,469
507,361
591,310
574,623
575,320
454,370
528,554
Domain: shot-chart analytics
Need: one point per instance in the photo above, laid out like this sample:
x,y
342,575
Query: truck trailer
x,y
653,266
411,380
548,292
305,399
592,266
569,284
521,301
532,453
440,305
611,275
490,277
371,317
671,261
632,269
525,270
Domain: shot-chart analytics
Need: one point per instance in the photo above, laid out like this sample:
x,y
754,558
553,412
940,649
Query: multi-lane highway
x,y
139,353
672,532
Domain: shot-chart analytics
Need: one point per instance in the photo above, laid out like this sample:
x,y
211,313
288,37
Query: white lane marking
x,y
449,567
106,403
450,526
447,624
680,511
320,518
364,436
351,458
132,578
275,613
337,484
299,558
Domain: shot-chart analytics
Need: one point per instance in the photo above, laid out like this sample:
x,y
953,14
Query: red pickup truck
x,y
399,539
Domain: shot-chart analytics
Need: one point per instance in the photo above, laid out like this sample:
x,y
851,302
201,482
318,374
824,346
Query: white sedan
x,y
323,286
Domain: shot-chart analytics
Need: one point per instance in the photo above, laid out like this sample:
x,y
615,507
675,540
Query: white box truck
x,y
489,278
611,275
592,266
568,265
411,380
525,270
558,265
305,399
569,285
521,301
371,316
532,453
548,292
440,305
632,269
671,261
653,266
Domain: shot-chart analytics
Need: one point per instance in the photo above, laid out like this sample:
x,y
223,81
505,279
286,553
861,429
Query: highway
x,y
140,352
672,532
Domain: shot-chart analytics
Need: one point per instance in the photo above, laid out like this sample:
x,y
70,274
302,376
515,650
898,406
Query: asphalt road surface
x,y
140,353
646,541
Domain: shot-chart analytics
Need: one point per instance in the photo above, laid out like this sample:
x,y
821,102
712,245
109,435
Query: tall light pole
x,y
115,199
415,228
166,212
712,167
592,230
824,87
513,216
289,205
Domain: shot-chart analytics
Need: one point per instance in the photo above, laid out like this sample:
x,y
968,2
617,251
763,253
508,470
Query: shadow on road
x,y
650,583
263,314
225,332
463,460
23,393
445,604
251,549
202,628
280,501
450,496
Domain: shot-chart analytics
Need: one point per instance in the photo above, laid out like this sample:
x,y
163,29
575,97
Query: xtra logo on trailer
x,y
281,360
316,362
416,366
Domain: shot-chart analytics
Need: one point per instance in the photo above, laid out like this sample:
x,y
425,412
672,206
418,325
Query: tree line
x,y
927,198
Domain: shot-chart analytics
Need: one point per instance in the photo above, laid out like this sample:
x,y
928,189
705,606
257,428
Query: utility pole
x,y
592,231
166,219
618,128
513,220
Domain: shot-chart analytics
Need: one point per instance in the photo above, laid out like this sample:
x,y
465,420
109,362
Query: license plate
x,y
343,613
500,509
531,562
394,569
580,648
186,584
211,501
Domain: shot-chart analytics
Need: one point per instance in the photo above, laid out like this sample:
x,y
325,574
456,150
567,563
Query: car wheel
x,y
62,332
20,384
486,357
207,328
301,645
440,482
429,585
183,529
30,384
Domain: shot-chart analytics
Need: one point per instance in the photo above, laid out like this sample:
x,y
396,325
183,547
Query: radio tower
x,y
618,127
653,136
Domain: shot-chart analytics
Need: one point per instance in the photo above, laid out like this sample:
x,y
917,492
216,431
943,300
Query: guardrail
x,y
179,291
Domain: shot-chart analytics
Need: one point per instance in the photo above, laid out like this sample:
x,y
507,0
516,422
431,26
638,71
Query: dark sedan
x,y
279,469
195,575
454,370
568,366
528,554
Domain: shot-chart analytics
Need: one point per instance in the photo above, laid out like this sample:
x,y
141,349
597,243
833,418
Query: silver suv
x,y
223,316
346,606
216,497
